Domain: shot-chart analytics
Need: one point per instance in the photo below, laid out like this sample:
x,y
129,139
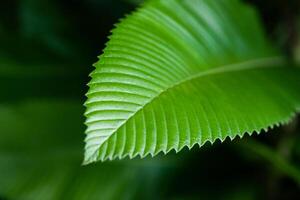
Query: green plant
x,y
179,73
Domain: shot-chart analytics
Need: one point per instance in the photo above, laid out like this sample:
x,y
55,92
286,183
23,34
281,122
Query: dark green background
x,y
47,49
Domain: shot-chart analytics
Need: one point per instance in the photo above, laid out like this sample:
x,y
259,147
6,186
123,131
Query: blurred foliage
x,y
47,49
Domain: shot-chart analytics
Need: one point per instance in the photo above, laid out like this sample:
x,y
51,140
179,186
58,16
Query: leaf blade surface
x,y
180,73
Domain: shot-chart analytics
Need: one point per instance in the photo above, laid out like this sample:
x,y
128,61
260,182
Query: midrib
x,y
270,62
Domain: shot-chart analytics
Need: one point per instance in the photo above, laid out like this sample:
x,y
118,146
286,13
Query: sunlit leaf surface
x,y
182,72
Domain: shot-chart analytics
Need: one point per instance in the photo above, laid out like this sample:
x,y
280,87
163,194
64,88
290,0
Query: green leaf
x,y
61,180
182,72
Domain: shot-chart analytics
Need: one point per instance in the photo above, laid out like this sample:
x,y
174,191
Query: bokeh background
x,y
47,49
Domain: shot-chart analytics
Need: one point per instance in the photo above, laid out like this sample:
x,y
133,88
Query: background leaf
x,y
48,164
